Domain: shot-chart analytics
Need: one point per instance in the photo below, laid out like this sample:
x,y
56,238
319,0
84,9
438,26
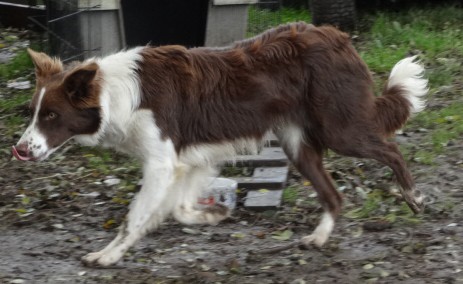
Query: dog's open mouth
x,y
20,155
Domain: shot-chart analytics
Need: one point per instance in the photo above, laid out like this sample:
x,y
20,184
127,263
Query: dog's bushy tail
x,y
402,95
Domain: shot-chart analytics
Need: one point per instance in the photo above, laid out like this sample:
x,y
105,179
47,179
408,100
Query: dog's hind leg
x,y
189,189
309,162
373,147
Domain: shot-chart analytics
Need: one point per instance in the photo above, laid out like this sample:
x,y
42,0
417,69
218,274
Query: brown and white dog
x,y
181,111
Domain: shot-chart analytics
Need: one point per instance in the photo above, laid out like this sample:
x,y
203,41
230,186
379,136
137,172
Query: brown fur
x,y
44,65
294,74
307,84
72,94
297,73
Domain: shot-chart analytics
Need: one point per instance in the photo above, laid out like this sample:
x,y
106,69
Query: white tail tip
x,y
408,74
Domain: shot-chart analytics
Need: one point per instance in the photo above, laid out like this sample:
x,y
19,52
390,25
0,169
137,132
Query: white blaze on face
x,y
36,142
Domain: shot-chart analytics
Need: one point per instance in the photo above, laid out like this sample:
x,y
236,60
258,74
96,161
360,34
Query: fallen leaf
x,y
109,224
282,235
259,234
238,235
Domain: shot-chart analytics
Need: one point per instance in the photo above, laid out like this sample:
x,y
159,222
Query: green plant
x,y
262,19
20,64
291,194
380,205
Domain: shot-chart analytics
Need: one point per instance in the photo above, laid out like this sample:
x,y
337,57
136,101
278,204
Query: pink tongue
x,y
18,156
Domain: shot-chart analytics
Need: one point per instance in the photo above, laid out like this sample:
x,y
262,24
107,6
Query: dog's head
x,y
65,104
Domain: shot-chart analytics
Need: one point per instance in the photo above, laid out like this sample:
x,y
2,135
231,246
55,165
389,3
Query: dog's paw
x,y
100,258
216,213
314,239
414,199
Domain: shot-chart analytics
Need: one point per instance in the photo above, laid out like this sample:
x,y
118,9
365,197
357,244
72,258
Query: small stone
x,y
368,266
205,267
403,275
82,273
221,273
58,226
21,85
111,181
191,231
384,273
407,249
91,194
201,253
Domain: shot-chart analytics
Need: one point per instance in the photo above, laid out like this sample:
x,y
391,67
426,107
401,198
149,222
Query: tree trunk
x,y
338,13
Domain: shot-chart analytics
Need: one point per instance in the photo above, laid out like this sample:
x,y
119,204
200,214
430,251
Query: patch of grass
x,y
445,125
13,121
436,33
380,205
19,98
261,19
425,157
232,171
20,64
99,159
290,195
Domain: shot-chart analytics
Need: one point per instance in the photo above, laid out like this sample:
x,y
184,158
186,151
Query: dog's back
x,y
284,74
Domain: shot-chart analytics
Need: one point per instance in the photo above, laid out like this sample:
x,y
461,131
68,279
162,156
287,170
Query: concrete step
x,y
271,140
268,157
264,178
263,199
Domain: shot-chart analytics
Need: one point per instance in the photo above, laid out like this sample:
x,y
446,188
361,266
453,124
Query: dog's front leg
x,y
147,210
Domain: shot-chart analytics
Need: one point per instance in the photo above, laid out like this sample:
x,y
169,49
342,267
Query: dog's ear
x,y
81,86
45,65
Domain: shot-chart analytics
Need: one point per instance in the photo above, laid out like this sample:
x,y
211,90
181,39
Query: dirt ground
x,y
54,212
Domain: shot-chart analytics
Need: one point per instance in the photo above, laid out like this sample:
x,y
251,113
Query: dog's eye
x,y
52,115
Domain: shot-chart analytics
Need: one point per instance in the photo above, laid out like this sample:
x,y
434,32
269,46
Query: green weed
x,y
261,19
20,64
435,33
445,125
290,195
380,205
19,98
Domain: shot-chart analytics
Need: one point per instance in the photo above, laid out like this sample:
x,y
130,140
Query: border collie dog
x,y
182,111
